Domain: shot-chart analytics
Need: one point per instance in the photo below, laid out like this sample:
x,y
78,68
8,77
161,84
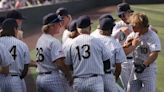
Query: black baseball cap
x,y
106,24
9,23
107,16
123,7
62,11
15,15
51,18
72,27
83,21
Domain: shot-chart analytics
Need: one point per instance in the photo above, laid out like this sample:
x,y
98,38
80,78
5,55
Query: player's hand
x,y
128,43
125,30
139,68
136,42
69,79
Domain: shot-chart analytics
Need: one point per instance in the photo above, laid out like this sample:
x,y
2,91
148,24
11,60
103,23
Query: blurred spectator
x,y
12,4
7,4
20,3
46,2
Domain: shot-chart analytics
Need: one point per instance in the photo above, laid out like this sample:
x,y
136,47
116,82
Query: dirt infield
x,y
31,40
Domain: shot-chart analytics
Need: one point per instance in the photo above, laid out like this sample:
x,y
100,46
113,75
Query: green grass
x,y
155,13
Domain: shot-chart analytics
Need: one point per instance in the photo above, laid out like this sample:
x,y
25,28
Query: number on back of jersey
x,y
13,52
39,55
85,54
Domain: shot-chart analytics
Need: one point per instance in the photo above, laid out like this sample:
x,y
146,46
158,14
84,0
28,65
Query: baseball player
x,y
5,61
63,12
73,33
97,31
88,56
19,19
18,50
143,78
50,58
120,32
105,30
66,45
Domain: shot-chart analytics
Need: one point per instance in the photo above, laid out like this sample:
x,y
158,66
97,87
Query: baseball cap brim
x,y
58,19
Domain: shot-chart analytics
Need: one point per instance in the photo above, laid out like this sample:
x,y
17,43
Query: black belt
x,y
129,57
94,75
45,73
15,75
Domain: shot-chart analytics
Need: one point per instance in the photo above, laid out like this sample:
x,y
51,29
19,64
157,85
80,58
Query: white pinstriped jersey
x,y
48,50
149,42
114,47
65,35
66,45
5,57
87,55
20,52
119,35
95,33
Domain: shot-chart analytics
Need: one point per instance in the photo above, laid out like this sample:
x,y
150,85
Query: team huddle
x,y
82,61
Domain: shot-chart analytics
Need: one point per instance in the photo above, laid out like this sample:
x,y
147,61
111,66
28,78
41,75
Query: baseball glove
x,y
139,68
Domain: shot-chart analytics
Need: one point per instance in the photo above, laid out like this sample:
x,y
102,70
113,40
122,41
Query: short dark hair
x,y
8,27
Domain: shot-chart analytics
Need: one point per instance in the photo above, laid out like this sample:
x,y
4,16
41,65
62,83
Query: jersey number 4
x,y
86,53
13,52
39,54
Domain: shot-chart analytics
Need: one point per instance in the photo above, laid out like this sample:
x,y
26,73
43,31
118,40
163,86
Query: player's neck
x,y
84,32
143,31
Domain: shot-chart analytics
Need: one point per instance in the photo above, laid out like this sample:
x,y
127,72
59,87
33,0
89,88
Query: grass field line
x,y
144,8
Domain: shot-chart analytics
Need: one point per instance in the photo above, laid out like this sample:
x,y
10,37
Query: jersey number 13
x,y
85,54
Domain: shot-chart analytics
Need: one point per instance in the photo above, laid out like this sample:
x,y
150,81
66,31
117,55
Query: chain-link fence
x,y
12,4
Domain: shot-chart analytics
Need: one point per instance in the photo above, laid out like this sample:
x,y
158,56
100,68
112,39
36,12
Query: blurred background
x,y
12,4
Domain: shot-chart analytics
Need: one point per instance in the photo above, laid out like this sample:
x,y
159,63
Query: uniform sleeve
x,y
130,36
67,52
26,55
115,33
155,44
116,27
68,58
65,36
120,55
106,54
56,50
6,58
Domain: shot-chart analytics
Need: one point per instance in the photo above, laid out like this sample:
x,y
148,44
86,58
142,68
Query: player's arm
x,y
152,57
4,70
25,71
117,71
64,68
155,48
134,44
32,64
26,62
